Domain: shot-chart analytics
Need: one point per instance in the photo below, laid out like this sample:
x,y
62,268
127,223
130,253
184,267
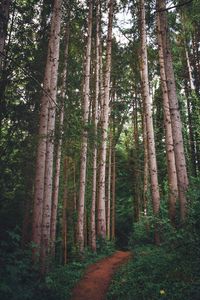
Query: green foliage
x,y
105,247
59,283
156,273
21,281
18,279
167,272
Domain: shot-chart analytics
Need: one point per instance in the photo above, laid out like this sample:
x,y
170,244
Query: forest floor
x,y
97,278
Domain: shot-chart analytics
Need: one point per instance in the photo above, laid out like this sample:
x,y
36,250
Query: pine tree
x,y
42,208
84,142
101,222
180,160
147,103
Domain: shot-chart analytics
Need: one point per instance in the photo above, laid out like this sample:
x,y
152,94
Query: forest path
x,y
95,283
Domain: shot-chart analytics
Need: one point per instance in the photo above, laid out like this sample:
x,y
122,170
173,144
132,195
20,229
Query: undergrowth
x,y
157,273
21,281
170,271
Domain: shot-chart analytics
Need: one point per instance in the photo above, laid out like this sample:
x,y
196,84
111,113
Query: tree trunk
x,y
64,212
49,96
74,204
146,168
190,94
4,14
84,142
174,112
136,183
101,225
171,167
192,143
48,179
109,184
149,121
95,124
59,146
113,192
4,71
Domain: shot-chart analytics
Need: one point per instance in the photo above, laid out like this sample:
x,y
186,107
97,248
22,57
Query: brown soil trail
x,y
96,280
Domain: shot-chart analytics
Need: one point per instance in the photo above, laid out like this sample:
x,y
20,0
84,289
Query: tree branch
x,y
175,6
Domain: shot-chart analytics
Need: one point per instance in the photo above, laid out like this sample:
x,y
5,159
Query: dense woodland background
x,y
100,145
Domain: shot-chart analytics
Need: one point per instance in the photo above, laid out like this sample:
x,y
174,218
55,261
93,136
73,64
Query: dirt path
x,y
96,280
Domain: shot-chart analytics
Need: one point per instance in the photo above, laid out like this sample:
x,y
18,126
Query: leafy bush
x,y
156,273
171,271
21,281
18,279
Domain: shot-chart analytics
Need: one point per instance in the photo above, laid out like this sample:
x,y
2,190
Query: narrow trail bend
x,y
96,280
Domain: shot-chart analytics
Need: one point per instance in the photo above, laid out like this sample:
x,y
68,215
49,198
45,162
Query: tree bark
x,y
180,160
48,179
59,146
190,94
84,142
113,193
109,184
49,96
171,167
95,124
136,183
64,212
146,168
4,15
149,121
101,225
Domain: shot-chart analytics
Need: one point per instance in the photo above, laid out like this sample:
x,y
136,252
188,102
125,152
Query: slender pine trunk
x,y
48,176
49,96
113,192
84,142
59,146
147,101
146,168
4,15
95,124
101,222
64,211
180,160
109,184
136,183
171,167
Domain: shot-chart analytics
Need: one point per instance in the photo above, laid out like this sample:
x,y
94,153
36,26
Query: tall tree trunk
x,y
95,124
196,62
84,142
171,167
191,81
190,94
4,72
136,183
113,192
48,179
49,96
174,111
64,212
101,224
4,14
146,168
149,121
59,146
192,143
74,204
195,59
109,184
